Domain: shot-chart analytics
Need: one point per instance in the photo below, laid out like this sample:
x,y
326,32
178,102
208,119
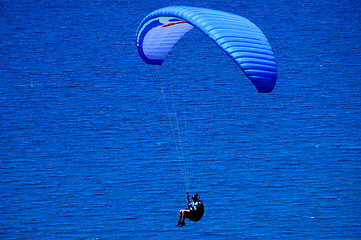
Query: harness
x,y
197,211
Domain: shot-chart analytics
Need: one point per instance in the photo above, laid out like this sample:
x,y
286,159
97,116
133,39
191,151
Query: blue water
x,y
87,153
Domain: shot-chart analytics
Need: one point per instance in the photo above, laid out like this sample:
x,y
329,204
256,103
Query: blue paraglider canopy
x,y
238,37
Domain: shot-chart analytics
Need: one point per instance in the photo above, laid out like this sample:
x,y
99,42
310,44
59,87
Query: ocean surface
x,y
90,134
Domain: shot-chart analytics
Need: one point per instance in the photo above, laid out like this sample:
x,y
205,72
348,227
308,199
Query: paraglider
x,y
194,212
238,37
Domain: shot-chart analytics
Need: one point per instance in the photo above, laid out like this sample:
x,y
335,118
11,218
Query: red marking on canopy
x,y
171,24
